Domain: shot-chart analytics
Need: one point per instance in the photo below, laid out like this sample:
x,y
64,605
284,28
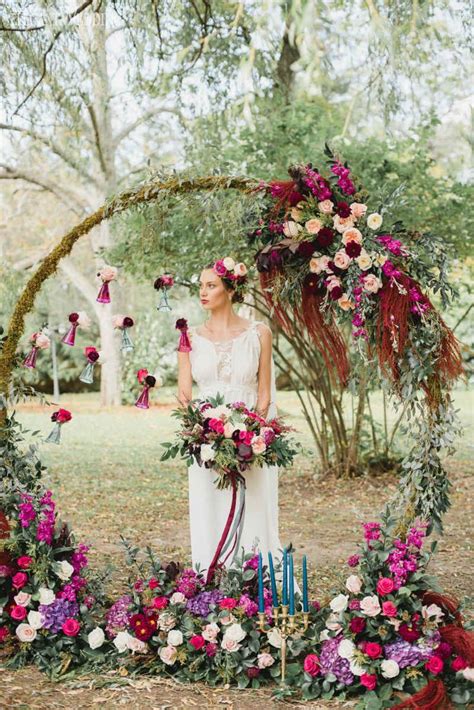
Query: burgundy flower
x,y
325,237
353,249
409,633
343,209
181,323
73,317
313,284
127,322
150,380
253,672
335,293
357,624
306,249
244,452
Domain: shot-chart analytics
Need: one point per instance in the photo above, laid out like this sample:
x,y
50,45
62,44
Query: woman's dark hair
x,y
237,297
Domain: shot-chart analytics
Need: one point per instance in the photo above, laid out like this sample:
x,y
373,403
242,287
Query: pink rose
x,y
265,660
216,425
258,445
354,584
228,603
372,649
19,580
311,664
370,605
228,430
313,226
342,224
368,680
385,586
18,613
325,206
389,609
434,665
197,641
372,283
71,627
240,269
160,602
358,209
229,644
459,664
352,235
219,268
24,562
22,599
342,260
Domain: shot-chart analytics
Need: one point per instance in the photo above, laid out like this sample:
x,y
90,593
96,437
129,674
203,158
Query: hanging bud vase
x,y
164,305
148,381
87,375
143,400
54,435
106,274
104,293
70,337
127,344
30,359
184,345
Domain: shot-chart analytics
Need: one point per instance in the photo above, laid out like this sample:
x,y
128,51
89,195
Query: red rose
x,y
373,649
71,627
458,664
228,603
160,602
385,585
357,624
19,580
3,633
24,562
368,680
434,665
141,374
197,641
311,664
389,609
153,583
18,613
409,633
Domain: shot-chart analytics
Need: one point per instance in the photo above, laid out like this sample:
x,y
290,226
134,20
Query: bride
x,y
231,356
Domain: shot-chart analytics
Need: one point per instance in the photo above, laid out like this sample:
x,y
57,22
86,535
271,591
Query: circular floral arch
x,y
316,274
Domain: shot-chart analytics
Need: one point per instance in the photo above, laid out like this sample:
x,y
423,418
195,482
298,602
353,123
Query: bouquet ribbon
x,y
233,527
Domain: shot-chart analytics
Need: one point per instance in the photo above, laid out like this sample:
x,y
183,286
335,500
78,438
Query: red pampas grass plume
x,y
286,194
432,697
267,279
392,325
461,640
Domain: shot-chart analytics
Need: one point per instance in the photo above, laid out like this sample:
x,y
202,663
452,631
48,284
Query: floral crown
x,y
232,273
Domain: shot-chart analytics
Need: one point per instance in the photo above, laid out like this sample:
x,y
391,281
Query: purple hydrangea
x,y
331,662
188,583
118,616
55,614
406,654
248,605
200,605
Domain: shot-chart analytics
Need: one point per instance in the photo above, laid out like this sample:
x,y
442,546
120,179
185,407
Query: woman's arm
x,y
264,370
185,380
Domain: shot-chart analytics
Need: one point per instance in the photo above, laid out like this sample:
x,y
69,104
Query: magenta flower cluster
x,y
27,512
344,181
188,583
118,616
45,529
317,184
403,560
392,245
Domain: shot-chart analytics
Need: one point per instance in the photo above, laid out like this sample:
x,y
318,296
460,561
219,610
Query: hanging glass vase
x,y
104,294
87,375
55,435
70,337
30,359
164,303
127,344
143,400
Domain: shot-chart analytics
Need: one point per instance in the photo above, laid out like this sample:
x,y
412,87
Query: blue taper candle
x,y
284,593
273,580
261,601
305,585
292,586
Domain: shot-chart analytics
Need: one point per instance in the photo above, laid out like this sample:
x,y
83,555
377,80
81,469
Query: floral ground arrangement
x,y
389,634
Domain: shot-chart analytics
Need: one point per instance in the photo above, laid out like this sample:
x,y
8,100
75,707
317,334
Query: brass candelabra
x,y
287,624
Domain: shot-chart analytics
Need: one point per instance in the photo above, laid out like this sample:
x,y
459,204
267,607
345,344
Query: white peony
x,y
25,633
291,229
339,603
46,596
274,637
390,669
168,654
210,631
175,637
235,632
374,220
354,584
346,649
177,598
64,570
208,453
121,641
229,263
96,638
229,644
355,668
35,619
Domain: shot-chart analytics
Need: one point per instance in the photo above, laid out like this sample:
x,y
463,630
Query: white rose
x,y
346,649
274,637
240,269
64,570
364,261
333,622
166,621
136,645
229,263
390,669
96,638
229,644
25,633
324,635
35,619
208,453
339,603
177,598
46,596
468,674
354,584
168,654
210,632
235,632
313,225
22,599
355,668
291,229
374,220
370,605
175,638
121,641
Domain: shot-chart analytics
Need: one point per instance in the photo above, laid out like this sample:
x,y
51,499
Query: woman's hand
x,y
185,380
264,370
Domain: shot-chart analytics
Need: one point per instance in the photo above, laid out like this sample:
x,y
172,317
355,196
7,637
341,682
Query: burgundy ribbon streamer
x,y
215,560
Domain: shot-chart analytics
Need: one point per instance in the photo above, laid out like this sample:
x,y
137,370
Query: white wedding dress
x,y
230,368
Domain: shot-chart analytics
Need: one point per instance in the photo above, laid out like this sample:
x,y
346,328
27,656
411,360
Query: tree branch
x,y
67,18
142,119
73,202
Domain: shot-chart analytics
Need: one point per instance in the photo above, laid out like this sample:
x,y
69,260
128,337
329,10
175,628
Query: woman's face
x,y
212,292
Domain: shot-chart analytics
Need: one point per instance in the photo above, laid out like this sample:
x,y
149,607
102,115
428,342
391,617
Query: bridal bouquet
x,y
229,439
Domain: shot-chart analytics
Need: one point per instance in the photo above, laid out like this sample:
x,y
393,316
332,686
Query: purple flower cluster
x,y
276,227
45,530
69,591
344,181
317,184
331,662
55,614
118,616
403,560
27,513
406,654
201,604
248,605
188,583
